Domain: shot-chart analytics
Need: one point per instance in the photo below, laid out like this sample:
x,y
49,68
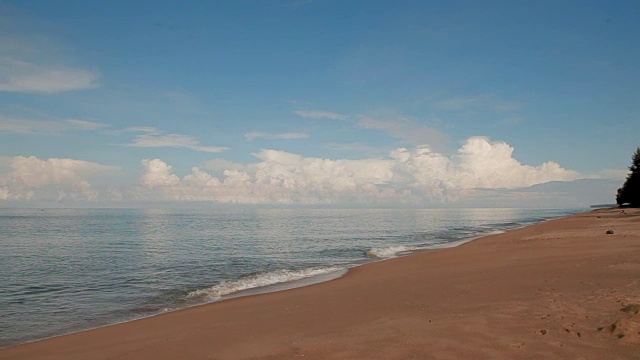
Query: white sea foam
x,y
390,251
450,244
394,250
257,281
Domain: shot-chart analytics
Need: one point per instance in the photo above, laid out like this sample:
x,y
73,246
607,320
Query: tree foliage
x,y
629,193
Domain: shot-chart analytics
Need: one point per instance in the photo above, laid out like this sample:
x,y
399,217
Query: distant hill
x,y
555,194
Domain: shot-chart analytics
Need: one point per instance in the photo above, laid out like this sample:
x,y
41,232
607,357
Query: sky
x,y
317,102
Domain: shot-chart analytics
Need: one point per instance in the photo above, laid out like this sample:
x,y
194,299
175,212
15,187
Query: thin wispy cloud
x,y
512,120
483,102
148,129
354,147
269,136
301,2
28,126
84,124
38,64
30,77
153,138
407,129
318,114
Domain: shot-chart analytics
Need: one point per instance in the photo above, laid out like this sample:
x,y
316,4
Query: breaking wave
x,y
389,252
257,281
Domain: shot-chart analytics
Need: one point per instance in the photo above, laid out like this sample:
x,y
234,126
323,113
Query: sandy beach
x,y
562,289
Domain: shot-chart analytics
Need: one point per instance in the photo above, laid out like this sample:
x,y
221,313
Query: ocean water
x,y
66,270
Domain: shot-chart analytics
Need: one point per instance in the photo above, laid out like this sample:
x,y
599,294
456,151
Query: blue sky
x,y
314,101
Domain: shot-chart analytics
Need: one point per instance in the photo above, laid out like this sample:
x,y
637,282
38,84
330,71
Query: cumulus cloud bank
x,y
31,178
417,175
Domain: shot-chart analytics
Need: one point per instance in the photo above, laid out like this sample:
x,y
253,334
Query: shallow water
x,y
65,270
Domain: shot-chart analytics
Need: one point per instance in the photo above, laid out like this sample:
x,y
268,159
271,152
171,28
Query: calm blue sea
x,y
65,270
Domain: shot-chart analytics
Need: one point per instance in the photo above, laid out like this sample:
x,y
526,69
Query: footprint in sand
x,y
626,328
567,331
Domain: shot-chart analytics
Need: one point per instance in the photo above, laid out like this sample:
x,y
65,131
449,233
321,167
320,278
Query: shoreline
x,y
382,280
340,272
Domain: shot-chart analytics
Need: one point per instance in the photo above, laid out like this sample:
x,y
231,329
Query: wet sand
x,y
562,289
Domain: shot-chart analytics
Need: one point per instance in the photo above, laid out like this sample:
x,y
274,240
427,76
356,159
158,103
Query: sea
x,y
67,270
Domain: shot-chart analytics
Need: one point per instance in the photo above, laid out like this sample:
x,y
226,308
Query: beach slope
x,y
562,289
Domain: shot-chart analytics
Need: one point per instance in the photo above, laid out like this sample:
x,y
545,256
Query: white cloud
x,y
28,126
318,114
479,163
480,169
269,136
158,173
52,179
31,77
221,165
418,176
280,177
155,138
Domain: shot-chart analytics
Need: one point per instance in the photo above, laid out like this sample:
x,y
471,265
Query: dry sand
x,y
562,289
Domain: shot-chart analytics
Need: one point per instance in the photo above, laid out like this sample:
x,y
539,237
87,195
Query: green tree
x,y
629,193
